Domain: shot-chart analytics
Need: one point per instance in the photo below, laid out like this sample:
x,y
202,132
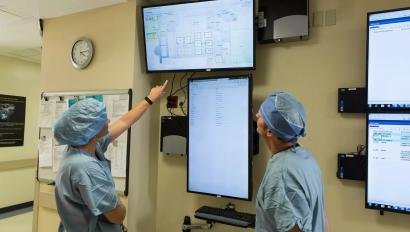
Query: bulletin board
x,y
53,104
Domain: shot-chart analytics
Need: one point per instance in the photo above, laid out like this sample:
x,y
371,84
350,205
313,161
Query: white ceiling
x,y
19,28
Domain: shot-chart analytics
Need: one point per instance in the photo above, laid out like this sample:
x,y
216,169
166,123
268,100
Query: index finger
x,y
165,84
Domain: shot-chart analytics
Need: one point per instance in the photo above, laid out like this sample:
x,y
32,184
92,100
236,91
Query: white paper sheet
x,y
108,101
117,153
119,108
58,152
45,149
60,107
47,112
116,105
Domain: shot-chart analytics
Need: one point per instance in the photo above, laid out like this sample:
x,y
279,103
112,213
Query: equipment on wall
x,y
388,54
174,134
220,136
388,144
227,215
351,166
199,36
283,20
351,100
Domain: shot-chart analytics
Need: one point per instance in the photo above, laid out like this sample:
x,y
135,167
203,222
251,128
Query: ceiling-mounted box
x,y
283,20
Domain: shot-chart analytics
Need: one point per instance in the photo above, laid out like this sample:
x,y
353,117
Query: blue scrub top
x,y
291,193
85,190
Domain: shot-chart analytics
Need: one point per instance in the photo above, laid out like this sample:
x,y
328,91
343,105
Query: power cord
x,y
360,150
181,88
170,94
172,84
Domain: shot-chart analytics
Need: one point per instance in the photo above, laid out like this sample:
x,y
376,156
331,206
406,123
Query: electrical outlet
x,y
172,102
330,17
317,19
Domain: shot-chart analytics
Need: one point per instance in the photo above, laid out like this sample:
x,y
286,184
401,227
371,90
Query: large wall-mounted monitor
x,y
388,171
199,36
220,136
388,56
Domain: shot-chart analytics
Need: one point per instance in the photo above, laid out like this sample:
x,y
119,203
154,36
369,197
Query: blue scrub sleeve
x,y
97,190
104,142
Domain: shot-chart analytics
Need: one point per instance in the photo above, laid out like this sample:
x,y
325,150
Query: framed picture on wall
x,y
12,120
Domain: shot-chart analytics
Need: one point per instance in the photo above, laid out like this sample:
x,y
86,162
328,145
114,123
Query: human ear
x,y
269,133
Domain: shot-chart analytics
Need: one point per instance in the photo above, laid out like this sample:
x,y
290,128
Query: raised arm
x,y
125,121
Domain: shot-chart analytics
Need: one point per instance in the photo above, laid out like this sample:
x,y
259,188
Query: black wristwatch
x,y
148,100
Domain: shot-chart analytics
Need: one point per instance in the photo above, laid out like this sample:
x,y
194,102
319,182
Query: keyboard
x,y
225,216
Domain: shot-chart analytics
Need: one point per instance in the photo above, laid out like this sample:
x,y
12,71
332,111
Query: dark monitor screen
x,y
220,136
199,36
388,170
388,55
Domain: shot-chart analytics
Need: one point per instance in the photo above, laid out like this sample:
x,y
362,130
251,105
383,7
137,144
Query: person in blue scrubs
x,y
85,191
290,197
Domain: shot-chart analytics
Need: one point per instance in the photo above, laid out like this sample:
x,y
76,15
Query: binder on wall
x,y
53,104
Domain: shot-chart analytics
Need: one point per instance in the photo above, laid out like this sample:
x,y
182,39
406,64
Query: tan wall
x,y
312,70
18,184
20,78
112,31
144,145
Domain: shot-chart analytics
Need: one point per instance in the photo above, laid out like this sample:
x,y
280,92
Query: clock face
x,y
81,53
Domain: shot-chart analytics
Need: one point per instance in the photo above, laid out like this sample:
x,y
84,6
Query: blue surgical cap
x,y
284,116
80,123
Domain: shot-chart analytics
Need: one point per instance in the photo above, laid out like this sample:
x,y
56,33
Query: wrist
x,y
149,100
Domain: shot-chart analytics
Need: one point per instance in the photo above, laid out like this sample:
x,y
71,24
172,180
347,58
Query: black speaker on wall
x,y
352,100
352,167
283,20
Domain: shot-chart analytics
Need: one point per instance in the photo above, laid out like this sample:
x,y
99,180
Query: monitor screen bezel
x,y
379,109
250,135
379,207
202,69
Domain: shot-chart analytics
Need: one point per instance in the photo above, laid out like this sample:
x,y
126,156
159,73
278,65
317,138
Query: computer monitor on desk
x,y
220,136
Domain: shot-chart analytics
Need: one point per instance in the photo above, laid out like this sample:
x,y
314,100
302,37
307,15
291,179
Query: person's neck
x,y
275,146
89,148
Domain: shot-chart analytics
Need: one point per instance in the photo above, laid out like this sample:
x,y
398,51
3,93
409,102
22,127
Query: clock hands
x,y
82,52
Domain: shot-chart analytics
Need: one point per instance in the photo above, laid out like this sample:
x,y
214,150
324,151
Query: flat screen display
x,y
219,136
388,143
200,36
388,55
